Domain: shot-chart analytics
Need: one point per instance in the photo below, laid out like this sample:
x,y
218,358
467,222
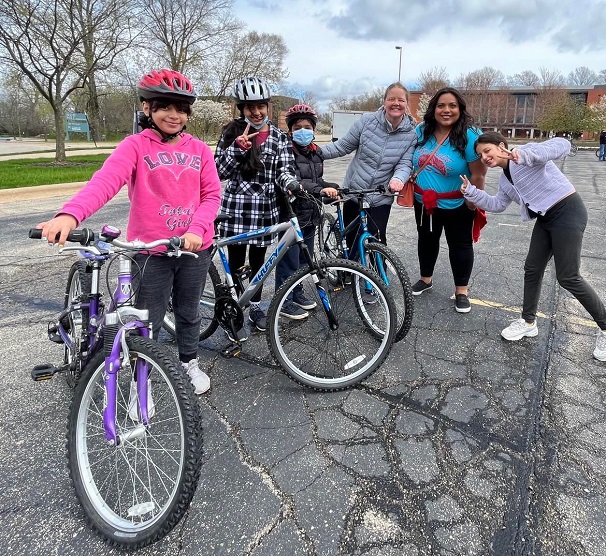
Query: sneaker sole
x,y
600,357
294,317
520,336
424,290
462,310
307,307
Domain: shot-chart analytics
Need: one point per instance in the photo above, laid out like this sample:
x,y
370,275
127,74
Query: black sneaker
x,y
462,304
258,319
421,286
369,297
242,335
300,299
293,311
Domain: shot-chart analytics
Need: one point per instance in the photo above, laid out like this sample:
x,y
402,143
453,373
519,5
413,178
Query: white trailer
x,y
342,120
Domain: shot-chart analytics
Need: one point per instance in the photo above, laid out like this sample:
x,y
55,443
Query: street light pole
x,y
400,64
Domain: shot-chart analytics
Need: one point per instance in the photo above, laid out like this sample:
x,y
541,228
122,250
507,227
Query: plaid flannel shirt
x,y
254,204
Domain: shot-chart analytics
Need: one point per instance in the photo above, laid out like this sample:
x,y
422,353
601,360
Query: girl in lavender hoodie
x,y
533,181
174,189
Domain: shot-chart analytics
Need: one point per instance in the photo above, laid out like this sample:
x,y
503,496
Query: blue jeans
x,y
184,278
293,259
603,152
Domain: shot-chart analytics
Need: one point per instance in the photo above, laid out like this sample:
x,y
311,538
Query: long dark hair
x,y
252,164
458,132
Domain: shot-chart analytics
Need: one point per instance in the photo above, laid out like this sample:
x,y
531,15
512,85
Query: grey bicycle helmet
x,y
252,89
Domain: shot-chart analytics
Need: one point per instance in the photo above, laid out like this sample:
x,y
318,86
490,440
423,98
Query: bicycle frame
x,y
292,234
360,222
114,343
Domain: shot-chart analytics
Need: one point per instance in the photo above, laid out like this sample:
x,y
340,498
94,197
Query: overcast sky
x,y
340,47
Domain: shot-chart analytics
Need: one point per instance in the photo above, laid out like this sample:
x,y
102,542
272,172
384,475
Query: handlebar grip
x,y
83,236
177,242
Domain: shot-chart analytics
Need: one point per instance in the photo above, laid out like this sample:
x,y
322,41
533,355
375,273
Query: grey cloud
x,y
570,26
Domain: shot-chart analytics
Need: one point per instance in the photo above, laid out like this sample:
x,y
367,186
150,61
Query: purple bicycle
x,y
134,441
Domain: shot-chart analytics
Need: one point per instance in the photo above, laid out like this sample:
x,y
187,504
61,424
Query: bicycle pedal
x,y
45,371
231,350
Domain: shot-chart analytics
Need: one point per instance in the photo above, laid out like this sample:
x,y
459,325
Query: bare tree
x,y
602,76
433,80
526,78
184,33
483,91
251,54
43,39
582,76
549,78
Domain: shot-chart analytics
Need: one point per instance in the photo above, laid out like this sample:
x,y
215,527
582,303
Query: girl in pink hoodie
x,y
174,189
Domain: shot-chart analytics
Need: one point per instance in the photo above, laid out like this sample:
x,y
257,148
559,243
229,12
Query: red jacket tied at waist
x,y
429,197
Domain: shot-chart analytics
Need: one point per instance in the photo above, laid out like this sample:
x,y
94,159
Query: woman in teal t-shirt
x,y
438,204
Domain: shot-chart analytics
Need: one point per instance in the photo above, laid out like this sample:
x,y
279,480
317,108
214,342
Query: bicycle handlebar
x,y
86,236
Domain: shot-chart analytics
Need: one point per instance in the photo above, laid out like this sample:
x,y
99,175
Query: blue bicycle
x,y
369,252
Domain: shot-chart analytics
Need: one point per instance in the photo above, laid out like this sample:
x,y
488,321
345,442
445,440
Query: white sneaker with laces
x,y
519,329
600,346
199,378
133,405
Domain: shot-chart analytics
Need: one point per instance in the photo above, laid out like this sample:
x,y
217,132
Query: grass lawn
x,y
27,172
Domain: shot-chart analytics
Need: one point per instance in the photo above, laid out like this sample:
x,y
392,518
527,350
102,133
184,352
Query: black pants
x,y
181,278
457,225
559,233
236,256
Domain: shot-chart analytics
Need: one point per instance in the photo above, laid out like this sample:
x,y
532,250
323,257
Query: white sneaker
x,y
518,329
133,405
600,346
198,378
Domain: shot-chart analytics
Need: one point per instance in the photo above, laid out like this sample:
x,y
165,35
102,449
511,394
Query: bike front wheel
x,y
327,355
382,260
134,493
78,288
206,309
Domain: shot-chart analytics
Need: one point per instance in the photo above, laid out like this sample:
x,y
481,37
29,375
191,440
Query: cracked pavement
x,y
461,443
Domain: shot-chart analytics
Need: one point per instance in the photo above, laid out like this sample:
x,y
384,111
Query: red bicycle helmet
x,y
166,83
301,112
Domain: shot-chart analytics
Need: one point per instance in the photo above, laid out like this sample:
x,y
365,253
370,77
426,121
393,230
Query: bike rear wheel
x,y
317,355
382,260
136,492
78,288
328,238
208,323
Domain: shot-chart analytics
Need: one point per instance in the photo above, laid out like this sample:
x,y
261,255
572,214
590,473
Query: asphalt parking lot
x,y
461,443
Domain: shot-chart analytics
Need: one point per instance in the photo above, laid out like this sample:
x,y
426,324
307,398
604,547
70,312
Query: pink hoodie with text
x,y
173,188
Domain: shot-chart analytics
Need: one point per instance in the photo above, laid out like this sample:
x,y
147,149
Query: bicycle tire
x,y
319,357
597,153
329,241
208,323
78,288
127,508
392,269
573,150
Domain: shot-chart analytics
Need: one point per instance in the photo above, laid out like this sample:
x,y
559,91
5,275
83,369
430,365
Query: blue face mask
x,y
257,126
303,137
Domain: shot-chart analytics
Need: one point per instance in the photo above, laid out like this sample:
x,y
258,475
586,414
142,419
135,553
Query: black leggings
x,y
559,233
457,225
236,255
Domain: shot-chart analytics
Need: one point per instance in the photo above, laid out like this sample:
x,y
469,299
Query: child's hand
x,y
464,184
330,192
244,140
56,230
509,154
192,242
